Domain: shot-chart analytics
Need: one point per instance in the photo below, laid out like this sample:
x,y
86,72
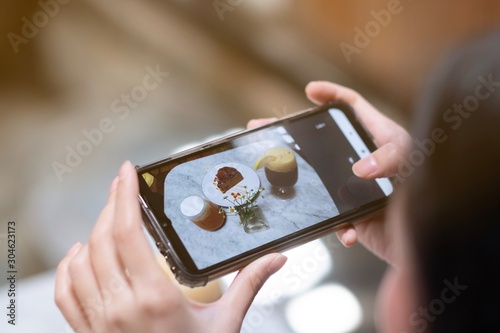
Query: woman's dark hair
x,y
453,195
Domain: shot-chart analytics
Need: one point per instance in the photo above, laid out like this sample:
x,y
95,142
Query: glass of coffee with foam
x,y
203,213
280,166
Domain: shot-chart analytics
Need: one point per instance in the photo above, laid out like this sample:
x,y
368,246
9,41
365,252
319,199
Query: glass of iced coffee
x,y
280,166
203,213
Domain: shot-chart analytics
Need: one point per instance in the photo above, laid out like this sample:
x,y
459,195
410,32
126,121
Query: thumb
x,y
248,282
383,162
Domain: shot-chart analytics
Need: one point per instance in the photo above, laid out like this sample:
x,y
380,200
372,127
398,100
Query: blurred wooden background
x,y
274,39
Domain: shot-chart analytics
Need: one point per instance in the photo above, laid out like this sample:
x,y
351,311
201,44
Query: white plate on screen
x,y
250,180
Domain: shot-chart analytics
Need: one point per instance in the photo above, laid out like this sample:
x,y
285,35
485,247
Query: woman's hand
x,y
392,141
115,284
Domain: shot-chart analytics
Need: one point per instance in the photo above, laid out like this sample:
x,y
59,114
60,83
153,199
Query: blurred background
x,y
87,84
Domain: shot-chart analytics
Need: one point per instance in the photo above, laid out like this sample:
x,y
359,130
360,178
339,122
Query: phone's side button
x,y
160,247
163,250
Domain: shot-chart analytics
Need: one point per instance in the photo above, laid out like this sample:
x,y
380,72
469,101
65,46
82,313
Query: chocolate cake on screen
x,y
226,178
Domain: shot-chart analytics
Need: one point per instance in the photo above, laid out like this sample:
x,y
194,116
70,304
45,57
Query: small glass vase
x,y
252,219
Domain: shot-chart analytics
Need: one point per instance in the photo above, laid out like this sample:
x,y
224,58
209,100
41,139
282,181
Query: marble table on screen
x,y
310,204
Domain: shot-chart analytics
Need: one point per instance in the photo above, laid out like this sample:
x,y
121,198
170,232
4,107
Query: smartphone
x,y
215,208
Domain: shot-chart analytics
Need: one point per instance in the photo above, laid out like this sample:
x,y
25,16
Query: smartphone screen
x,y
262,187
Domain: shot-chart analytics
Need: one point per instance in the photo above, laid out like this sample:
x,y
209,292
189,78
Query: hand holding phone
x,y
114,283
393,143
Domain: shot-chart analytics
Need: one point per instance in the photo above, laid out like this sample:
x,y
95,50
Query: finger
x,y
154,294
113,282
320,92
372,234
86,288
383,162
248,282
347,236
119,311
392,139
109,271
65,297
133,248
259,122
382,128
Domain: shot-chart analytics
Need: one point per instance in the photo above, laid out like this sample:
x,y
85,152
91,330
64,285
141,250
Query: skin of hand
x,y
392,141
115,284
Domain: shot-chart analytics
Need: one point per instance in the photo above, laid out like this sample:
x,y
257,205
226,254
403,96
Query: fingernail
x,y
345,238
74,249
252,123
276,264
124,170
365,167
114,184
